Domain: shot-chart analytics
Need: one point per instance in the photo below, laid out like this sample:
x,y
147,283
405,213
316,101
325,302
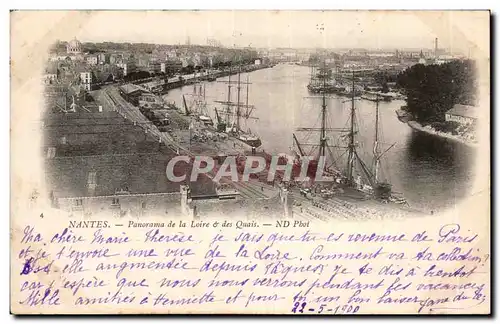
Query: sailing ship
x,y
199,107
324,80
230,116
357,174
320,80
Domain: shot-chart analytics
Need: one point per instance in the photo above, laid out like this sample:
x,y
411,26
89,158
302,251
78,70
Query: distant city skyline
x,y
385,30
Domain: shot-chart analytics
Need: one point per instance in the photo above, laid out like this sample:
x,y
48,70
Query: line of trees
x,y
432,90
382,78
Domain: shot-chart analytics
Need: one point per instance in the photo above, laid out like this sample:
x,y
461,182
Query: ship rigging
x,y
199,105
235,111
356,169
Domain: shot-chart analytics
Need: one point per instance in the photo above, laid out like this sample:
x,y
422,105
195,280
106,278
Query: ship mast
x,y
247,95
228,97
238,106
376,153
323,145
351,148
311,81
238,101
322,140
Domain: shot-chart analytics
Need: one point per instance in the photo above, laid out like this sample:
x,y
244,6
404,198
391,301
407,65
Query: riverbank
x,y
429,130
418,177
406,118
162,86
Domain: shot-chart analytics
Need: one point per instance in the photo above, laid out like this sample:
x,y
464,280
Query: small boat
x,y
206,120
403,116
248,138
369,96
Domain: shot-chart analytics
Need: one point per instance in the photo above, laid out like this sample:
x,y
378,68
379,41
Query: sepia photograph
x,y
357,139
393,127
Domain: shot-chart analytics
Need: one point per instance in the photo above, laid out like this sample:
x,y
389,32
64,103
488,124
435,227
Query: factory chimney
x,y
435,47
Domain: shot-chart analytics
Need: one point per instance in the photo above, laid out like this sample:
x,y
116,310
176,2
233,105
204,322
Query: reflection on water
x,y
435,172
431,172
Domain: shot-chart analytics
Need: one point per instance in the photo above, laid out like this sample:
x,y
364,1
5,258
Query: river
x,y
431,172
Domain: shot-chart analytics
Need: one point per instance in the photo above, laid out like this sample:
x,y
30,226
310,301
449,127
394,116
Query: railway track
x,y
245,190
128,111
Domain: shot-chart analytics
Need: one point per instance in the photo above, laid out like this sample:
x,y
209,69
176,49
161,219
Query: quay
x,y
162,86
146,149
178,138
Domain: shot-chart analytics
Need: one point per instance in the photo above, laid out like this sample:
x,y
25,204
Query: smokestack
x,y
435,47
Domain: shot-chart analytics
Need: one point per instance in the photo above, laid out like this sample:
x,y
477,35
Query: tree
x,y
432,90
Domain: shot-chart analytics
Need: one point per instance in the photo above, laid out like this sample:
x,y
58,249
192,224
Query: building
x,y
58,58
155,85
143,61
92,60
170,67
113,69
103,58
171,55
442,59
154,67
99,163
196,59
149,100
51,74
462,114
49,78
130,92
87,80
74,47
127,68
104,150
114,58
185,61
103,77
213,42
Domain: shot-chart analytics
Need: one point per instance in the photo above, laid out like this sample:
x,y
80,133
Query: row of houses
x,y
462,114
59,73
76,66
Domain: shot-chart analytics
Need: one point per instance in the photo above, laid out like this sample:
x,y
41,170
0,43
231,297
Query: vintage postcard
x,y
250,162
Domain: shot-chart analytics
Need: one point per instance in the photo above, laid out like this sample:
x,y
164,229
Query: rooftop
x,y
88,132
129,88
103,76
464,111
89,153
52,68
105,175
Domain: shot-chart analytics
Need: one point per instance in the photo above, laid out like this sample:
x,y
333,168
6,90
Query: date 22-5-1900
x,y
301,308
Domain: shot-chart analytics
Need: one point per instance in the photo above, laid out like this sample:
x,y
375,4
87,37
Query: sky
x,y
296,29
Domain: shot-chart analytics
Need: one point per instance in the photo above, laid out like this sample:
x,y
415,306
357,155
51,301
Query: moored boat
x,y
358,175
234,113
